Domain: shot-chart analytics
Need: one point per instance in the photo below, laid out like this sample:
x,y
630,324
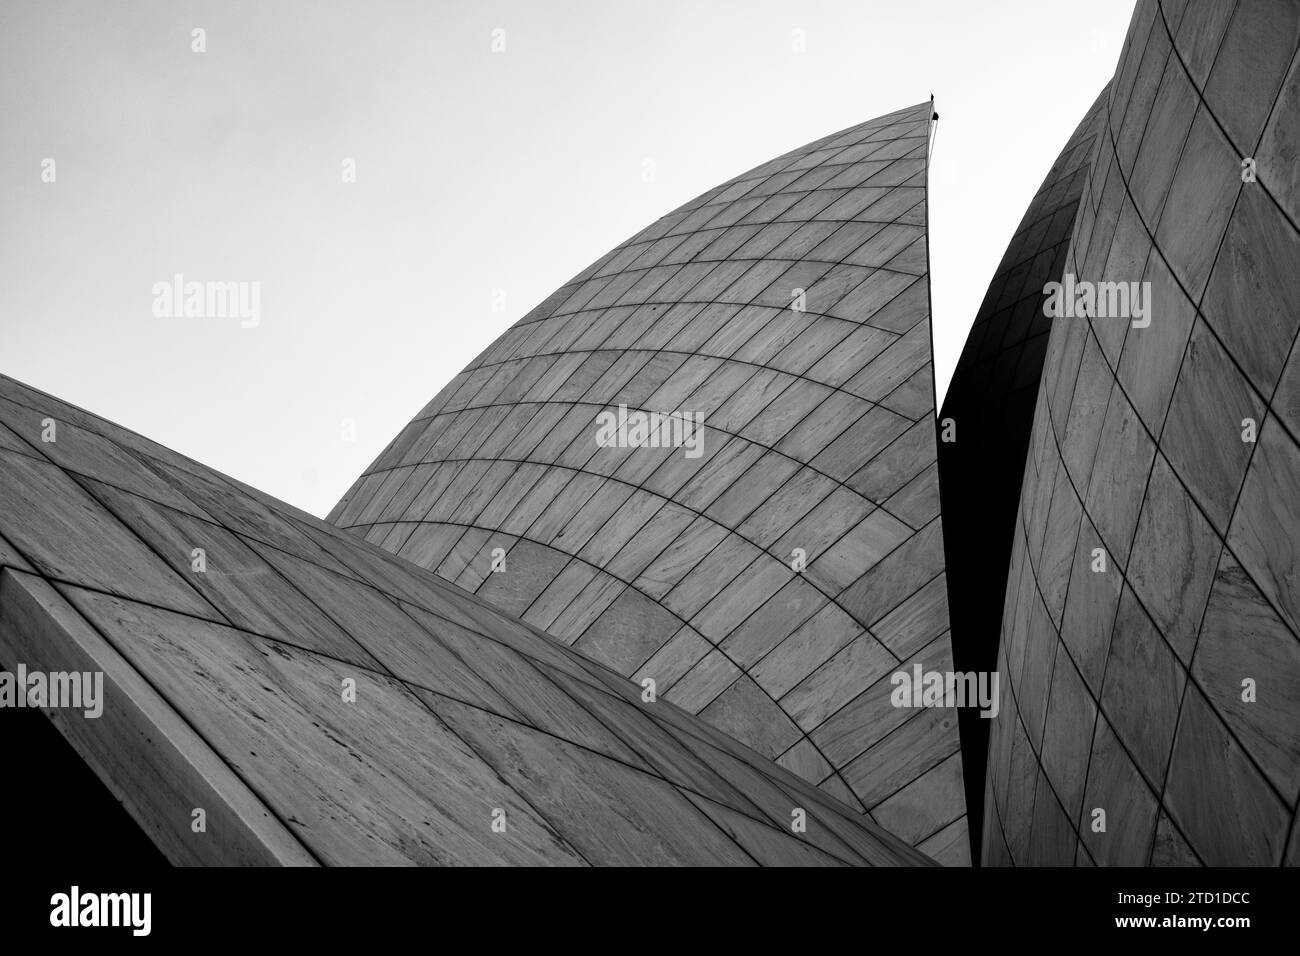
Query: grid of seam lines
x,y
223,687
818,434
1166,690
990,408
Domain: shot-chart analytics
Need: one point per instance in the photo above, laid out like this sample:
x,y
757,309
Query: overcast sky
x,y
476,171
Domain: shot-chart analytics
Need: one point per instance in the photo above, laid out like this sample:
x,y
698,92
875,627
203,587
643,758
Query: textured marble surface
x,y
818,435
1167,691
225,688
990,407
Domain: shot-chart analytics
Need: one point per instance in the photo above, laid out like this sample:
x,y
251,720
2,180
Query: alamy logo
x,y
103,909
76,691
624,429
1098,300
923,688
179,299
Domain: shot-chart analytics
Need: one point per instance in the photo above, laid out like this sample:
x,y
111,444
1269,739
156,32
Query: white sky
x,y
475,171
